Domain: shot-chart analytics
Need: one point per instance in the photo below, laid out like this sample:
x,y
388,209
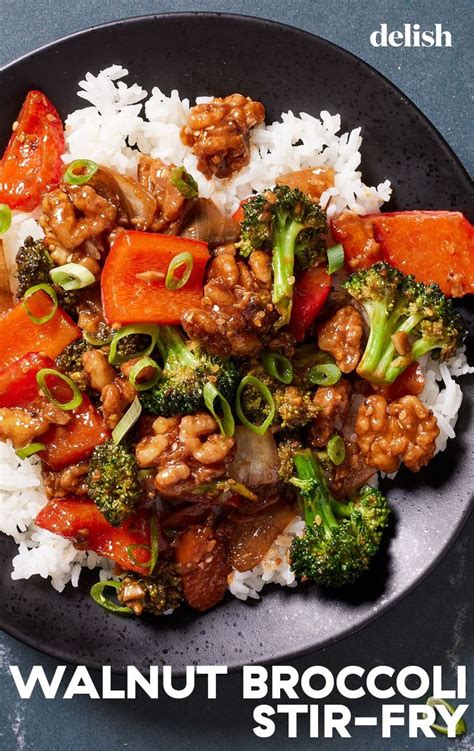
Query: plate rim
x,y
58,653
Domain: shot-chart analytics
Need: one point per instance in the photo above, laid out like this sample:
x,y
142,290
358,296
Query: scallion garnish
x,y
29,450
137,328
278,366
144,362
72,276
336,449
97,594
5,218
326,374
223,486
335,258
96,341
80,171
225,421
128,421
50,292
185,182
76,399
460,725
173,282
252,381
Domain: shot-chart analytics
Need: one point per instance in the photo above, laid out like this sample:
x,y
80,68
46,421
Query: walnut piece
x,y
187,451
74,214
218,133
402,431
332,403
341,337
236,311
155,176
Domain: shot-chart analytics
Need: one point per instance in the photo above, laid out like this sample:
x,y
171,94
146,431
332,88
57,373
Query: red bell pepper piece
x,y
20,335
32,164
310,293
75,441
356,233
82,522
18,385
128,299
410,382
434,246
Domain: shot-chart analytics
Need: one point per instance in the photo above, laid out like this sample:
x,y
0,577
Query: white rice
x,y
121,122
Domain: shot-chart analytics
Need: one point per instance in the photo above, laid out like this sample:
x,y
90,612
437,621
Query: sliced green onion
x,y
222,486
29,450
154,542
145,362
50,292
460,725
72,276
226,423
137,328
173,282
326,374
185,182
278,366
251,380
5,218
336,449
96,341
97,594
128,421
335,258
80,171
76,399
131,554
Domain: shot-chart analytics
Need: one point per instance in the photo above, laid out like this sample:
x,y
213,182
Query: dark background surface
x,y
434,624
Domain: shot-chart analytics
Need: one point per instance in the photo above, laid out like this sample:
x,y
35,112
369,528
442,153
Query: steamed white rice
x,y
121,122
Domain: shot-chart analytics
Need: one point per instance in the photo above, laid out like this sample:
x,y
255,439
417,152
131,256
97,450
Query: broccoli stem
x,y
283,262
378,339
173,349
314,490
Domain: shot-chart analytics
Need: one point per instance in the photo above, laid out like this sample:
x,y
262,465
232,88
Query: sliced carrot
x,y
20,335
130,297
434,246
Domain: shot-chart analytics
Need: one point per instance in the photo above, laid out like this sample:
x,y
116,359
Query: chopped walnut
x,y
72,480
115,398
341,337
21,426
155,176
236,312
333,405
97,368
402,431
218,133
74,214
187,452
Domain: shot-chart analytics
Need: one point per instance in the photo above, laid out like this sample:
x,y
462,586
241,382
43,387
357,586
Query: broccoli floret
x,y
187,368
33,266
340,538
155,594
70,362
406,320
288,223
113,482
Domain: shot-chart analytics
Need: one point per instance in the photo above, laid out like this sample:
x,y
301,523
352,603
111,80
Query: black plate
x,y
286,69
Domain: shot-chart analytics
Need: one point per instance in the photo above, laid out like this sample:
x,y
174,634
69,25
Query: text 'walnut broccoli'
x,y
340,538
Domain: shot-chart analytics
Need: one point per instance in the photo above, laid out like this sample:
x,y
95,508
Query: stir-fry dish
x,y
210,397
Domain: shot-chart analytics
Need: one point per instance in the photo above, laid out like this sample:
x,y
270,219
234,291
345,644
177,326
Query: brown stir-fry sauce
x,y
224,495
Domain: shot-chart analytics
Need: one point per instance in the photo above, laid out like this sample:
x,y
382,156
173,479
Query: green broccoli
x,y
292,226
33,266
155,594
406,320
113,482
70,362
187,368
340,538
